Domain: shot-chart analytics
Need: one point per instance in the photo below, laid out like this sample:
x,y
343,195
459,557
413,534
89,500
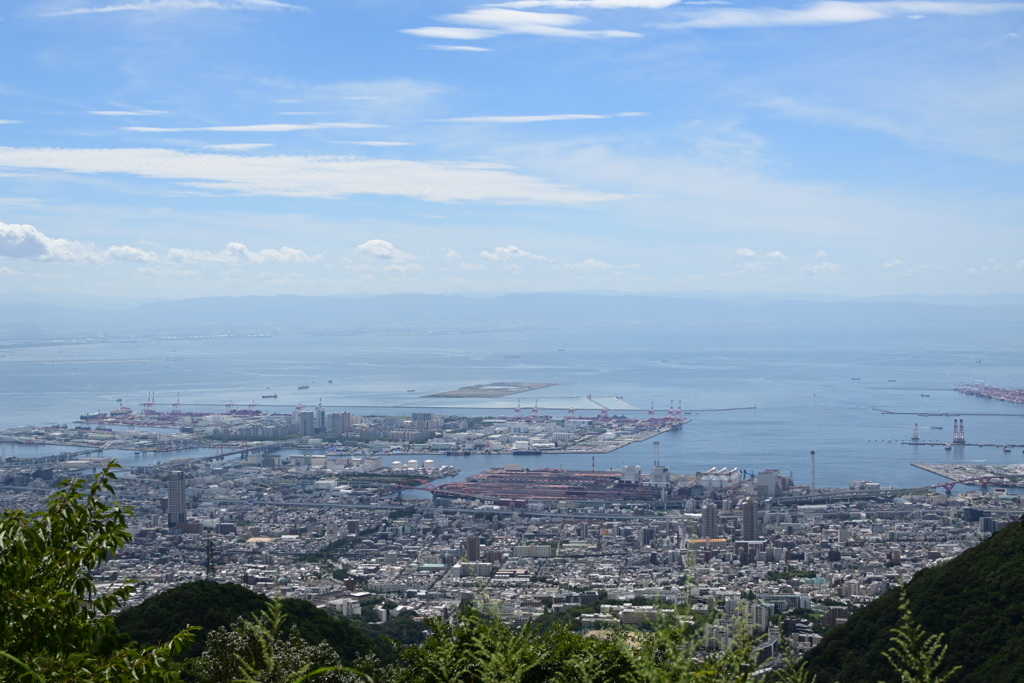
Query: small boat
x,y
925,395
948,447
304,386
1006,449
272,395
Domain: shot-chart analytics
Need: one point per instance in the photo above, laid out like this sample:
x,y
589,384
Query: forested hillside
x,y
975,600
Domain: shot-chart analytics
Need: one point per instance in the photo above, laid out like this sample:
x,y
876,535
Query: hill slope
x,y
974,600
212,605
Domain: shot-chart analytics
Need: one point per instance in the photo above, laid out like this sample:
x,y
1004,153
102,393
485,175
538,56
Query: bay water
x,y
758,396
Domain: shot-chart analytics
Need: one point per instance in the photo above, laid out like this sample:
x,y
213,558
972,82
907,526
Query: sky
x,y
168,149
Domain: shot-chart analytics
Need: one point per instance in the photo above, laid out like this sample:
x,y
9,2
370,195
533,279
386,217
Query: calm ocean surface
x,y
800,379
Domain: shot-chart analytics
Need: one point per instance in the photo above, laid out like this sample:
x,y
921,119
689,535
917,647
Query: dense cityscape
x,y
354,524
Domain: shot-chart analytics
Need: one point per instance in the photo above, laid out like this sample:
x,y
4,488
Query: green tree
x,y
917,656
260,650
54,621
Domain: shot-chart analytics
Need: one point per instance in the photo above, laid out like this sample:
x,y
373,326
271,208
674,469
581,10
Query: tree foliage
x,y
262,649
974,600
54,621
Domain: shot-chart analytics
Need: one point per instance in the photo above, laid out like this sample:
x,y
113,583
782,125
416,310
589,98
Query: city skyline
x,y
166,149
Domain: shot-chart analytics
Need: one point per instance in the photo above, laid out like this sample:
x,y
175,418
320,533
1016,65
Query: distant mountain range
x,y
437,313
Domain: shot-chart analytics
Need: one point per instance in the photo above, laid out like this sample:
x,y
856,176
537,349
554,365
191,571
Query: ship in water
x,y
304,386
92,416
272,395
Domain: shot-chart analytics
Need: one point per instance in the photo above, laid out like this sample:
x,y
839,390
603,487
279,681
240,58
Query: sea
x,y
758,396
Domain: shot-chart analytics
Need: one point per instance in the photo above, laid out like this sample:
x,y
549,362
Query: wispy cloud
x,y
451,32
511,253
7,121
127,112
538,118
838,12
589,265
488,22
588,4
236,252
301,176
178,6
239,146
458,48
373,143
257,128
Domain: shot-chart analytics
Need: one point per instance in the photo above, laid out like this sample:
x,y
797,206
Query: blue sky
x,y
159,149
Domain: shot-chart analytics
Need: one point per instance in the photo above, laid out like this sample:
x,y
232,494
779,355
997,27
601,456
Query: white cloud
x,y
257,128
838,12
451,32
8,272
179,6
588,265
511,253
299,176
27,242
776,254
239,146
458,48
820,254
589,4
237,252
750,253
125,253
373,143
898,263
488,22
119,112
452,254
7,121
385,251
538,118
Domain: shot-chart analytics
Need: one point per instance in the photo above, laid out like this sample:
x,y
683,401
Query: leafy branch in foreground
x,y
54,621
916,656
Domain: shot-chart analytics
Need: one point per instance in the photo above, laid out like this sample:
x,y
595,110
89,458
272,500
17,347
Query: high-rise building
x,y
175,499
709,522
339,424
748,519
306,421
473,548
